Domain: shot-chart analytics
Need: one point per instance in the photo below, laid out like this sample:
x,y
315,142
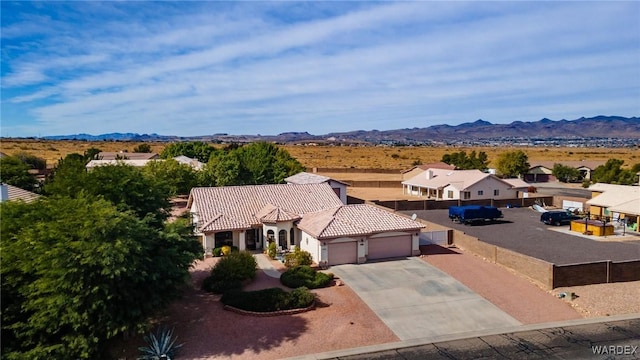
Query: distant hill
x,y
583,128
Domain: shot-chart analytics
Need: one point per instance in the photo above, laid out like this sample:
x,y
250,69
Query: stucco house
x,y
542,171
307,215
441,184
194,163
339,187
616,202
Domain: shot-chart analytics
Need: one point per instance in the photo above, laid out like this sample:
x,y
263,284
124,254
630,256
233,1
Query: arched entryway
x,y
292,240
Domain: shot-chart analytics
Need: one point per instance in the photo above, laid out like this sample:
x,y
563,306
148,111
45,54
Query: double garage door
x,y
379,248
390,247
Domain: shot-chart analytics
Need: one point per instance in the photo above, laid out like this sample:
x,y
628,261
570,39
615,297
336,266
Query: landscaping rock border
x,y
270,313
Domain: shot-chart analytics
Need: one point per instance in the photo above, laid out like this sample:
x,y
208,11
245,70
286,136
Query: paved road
x,y
522,231
416,300
619,337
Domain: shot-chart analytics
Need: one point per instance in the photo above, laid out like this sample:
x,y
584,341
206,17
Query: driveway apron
x,y
416,300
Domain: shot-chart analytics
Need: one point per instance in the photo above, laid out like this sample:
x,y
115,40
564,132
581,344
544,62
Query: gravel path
x,y
604,299
509,291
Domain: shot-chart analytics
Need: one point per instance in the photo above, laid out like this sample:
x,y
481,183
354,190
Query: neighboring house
x,y
542,171
616,202
442,184
106,155
137,163
307,215
194,163
13,193
339,187
520,186
419,169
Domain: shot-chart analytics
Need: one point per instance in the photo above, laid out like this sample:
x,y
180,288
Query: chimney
x,y
429,173
4,193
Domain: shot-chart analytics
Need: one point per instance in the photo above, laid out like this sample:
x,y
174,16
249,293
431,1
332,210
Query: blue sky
x,y
196,68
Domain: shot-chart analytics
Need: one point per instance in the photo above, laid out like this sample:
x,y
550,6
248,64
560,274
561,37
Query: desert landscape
x,y
327,156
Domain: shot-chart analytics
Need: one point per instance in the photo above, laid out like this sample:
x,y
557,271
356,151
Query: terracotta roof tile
x,y
241,204
273,214
354,220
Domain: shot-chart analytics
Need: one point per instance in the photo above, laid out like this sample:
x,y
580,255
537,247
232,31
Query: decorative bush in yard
x,y
230,272
297,258
305,276
160,346
226,250
272,250
268,300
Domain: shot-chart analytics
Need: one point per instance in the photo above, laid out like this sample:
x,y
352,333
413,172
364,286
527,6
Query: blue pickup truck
x,y
473,213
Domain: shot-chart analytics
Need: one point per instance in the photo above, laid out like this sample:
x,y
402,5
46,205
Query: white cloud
x,y
235,68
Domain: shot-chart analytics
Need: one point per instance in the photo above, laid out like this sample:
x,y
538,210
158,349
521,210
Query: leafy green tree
x,y
467,162
227,169
79,271
142,148
613,173
15,172
68,176
129,189
178,177
193,149
91,154
566,173
513,164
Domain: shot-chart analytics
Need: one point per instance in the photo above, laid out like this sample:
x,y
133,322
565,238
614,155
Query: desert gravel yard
x,y
340,321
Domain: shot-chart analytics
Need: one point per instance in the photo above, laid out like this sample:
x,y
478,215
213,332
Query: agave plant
x,y
160,346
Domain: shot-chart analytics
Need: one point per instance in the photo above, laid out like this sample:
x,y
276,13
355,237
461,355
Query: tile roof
x,y
137,163
354,220
194,163
15,193
273,214
241,204
310,178
517,183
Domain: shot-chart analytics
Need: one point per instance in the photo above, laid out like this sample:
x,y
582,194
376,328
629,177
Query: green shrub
x,y
305,276
230,272
272,250
297,258
226,250
267,300
217,252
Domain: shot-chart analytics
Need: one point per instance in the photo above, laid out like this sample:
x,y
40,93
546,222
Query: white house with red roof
x,y
441,184
307,215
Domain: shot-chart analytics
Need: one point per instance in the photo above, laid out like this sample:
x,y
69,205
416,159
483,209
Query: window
x,y
466,195
282,239
450,194
292,241
480,192
496,192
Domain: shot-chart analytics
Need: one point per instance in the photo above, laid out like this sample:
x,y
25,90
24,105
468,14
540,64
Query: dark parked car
x,y
557,218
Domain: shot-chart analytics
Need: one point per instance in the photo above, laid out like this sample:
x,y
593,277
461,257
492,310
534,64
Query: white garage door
x,y
388,247
343,253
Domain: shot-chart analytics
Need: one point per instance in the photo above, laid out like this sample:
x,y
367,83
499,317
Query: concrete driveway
x,y
416,300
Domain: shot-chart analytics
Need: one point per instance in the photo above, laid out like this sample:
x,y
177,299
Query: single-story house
x,y
109,155
419,169
310,216
440,184
542,171
339,187
14,193
616,202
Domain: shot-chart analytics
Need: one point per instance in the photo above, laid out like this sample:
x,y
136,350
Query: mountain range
x,y
600,127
